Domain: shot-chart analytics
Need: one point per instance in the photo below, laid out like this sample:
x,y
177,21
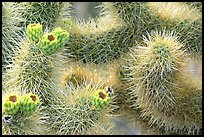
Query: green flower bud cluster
x,y
54,41
12,104
62,36
49,42
15,103
100,99
30,103
34,32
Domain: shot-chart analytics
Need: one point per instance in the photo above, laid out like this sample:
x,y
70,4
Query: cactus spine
x,y
11,32
153,78
72,111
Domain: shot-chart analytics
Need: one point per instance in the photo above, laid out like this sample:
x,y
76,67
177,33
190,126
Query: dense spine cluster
x,y
73,112
155,79
68,76
11,31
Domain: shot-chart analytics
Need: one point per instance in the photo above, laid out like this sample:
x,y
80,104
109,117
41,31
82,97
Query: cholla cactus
x,y
69,64
34,76
29,103
12,104
15,122
34,32
155,88
45,13
72,112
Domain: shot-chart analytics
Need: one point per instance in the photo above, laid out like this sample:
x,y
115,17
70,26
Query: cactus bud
x,y
62,36
12,104
100,99
34,32
30,103
49,43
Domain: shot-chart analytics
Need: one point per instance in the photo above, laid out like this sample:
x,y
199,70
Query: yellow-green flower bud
x,y
34,32
48,44
30,103
62,37
12,104
100,99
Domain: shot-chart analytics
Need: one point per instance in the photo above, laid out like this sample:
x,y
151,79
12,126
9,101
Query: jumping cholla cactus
x,y
158,85
78,113
64,70
18,120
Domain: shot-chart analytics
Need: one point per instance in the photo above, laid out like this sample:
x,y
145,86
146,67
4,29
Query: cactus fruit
x,y
54,41
29,103
48,44
14,122
62,36
100,99
34,32
12,104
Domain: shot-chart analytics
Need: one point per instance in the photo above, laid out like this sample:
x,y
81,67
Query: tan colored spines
x,y
153,70
11,31
30,70
184,19
71,112
162,63
38,12
186,116
77,71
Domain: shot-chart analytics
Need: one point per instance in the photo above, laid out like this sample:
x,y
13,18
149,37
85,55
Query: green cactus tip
x,y
12,104
100,99
54,41
30,103
48,43
34,32
62,36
